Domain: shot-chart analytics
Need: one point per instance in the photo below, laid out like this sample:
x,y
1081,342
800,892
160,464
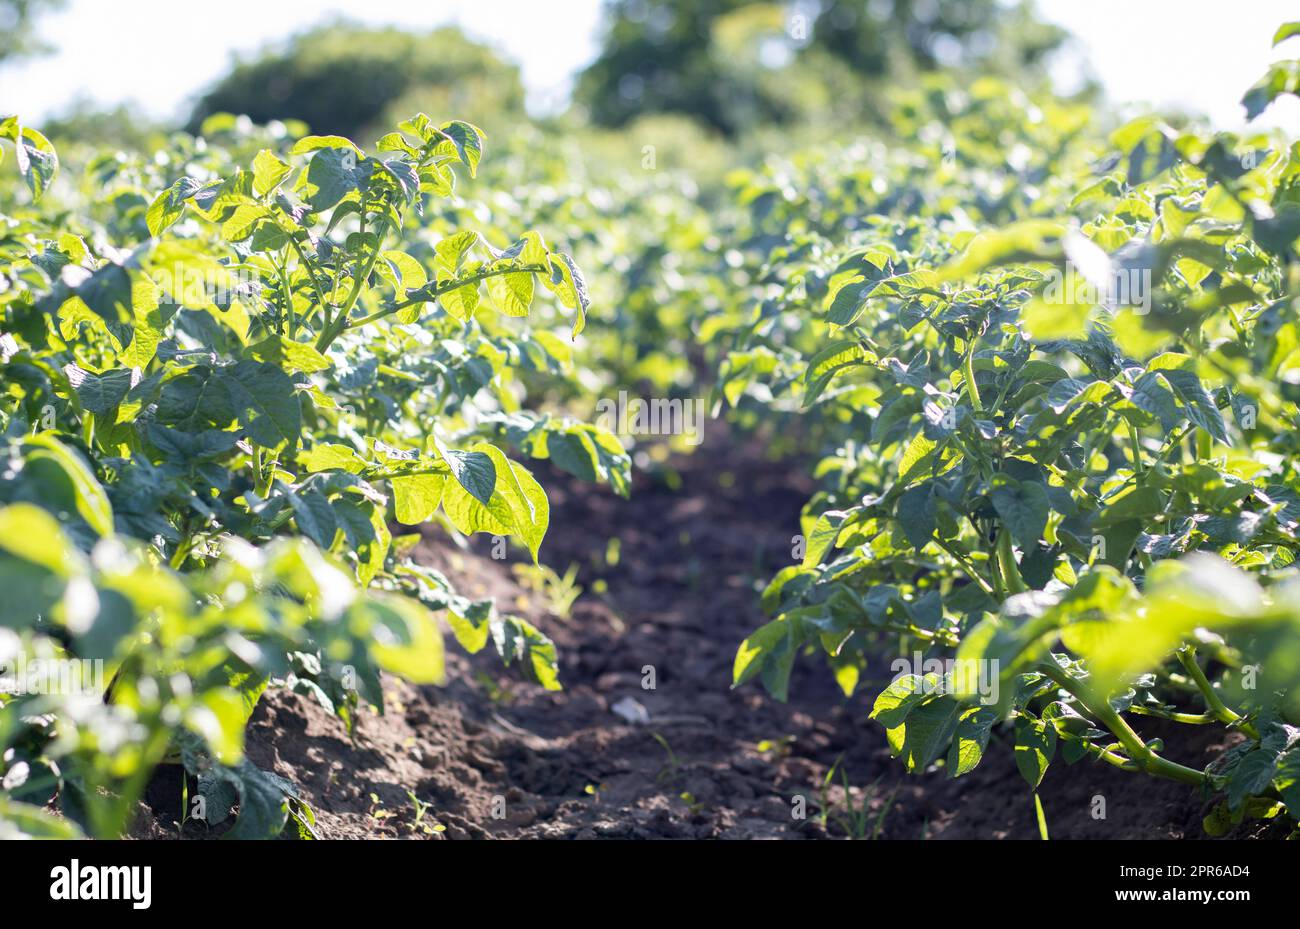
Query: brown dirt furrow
x,y
496,757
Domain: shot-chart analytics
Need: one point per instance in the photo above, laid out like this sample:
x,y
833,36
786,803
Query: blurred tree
x,y
881,36
344,79
17,19
738,63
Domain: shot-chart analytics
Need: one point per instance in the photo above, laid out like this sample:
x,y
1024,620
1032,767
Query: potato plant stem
x,y
311,276
1191,719
969,568
1138,751
423,295
968,379
1220,711
1007,562
1138,467
340,322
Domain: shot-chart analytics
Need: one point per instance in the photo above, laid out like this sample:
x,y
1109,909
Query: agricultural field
x,y
854,443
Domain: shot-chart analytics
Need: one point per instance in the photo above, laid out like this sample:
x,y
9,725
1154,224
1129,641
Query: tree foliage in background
x,y
17,18
344,79
737,63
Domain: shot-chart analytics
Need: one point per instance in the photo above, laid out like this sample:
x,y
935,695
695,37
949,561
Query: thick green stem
x,y
389,474
969,568
311,276
968,379
361,278
1138,751
1007,562
1138,467
1220,711
287,291
430,293
335,327
262,474
926,635
423,295
1110,757
1191,719
177,561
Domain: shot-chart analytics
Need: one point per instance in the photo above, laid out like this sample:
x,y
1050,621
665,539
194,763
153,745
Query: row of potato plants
x,y
227,370
1073,506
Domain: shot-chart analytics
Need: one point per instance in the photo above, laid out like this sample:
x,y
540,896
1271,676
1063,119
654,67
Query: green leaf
x,y
822,536
460,302
927,732
409,273
242,222
970,740
1139,502
314,517
470,515
1151,394
333,174
313,143
169,205
1023,507
218,717
1028,240
332,457
268,172
567,283
1251,775
831,361
917,514
100,394
406,638
263,798
915,458
32,534
453,251
518,641
466,140
846,302
756,649
1286,779
266,402
1197,403
37,160
1035,748
108,294
523,495
90,500
903,694
512,293
416,497
473,471
188,448
26,821
471,626
1282,77
285,353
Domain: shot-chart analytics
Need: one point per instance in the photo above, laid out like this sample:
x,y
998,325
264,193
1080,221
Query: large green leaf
x,y
89,498
1023,507
266,402
416,497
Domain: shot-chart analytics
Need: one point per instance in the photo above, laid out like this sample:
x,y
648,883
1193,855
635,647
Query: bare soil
x,y
495,757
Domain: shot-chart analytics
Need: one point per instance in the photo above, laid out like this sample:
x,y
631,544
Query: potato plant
x,y
225,374
1063,415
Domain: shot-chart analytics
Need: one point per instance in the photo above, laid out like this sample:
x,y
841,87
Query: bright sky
x,y
1198,55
